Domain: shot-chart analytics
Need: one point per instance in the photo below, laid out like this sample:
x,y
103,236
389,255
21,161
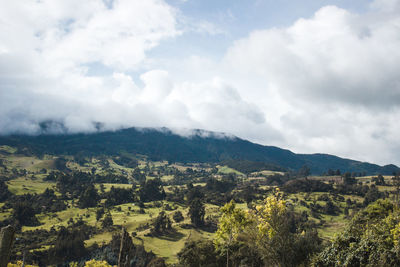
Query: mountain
x,y
200,146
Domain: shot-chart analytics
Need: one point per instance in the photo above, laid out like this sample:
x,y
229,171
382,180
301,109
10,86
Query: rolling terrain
x,y
200,147
52,198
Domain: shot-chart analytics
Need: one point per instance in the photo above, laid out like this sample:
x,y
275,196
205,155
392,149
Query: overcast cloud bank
x,y
328,83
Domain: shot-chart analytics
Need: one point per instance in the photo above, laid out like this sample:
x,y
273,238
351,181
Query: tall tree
x,y
232,223
197,212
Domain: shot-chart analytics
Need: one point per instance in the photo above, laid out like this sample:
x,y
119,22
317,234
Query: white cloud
x,y
329,83
334,56
337,74
48,49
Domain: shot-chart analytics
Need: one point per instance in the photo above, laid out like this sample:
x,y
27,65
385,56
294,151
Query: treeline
x,y
55,176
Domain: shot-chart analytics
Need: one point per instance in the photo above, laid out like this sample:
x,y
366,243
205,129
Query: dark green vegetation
x,y
200,147
71,208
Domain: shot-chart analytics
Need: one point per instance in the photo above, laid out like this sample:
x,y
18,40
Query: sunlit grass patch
x,y
24,185
8,149
227,170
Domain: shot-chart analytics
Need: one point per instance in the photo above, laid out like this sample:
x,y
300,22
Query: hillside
x,y
200,147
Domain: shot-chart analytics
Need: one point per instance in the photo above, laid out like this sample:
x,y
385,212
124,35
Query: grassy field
x,y
166,246
227,170
25,185
333,223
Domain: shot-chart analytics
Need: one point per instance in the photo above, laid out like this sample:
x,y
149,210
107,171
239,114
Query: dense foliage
x,y
371,239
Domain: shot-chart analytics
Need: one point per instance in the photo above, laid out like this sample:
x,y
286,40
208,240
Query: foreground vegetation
x,y
70,210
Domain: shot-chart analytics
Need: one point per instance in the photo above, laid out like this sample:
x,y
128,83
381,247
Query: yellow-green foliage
x,y
231,224
269,216
233,221
94,263
19,264
396,234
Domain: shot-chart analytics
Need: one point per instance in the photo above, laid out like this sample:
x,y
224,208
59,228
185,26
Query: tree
x,y
4,192
107,221
162,224
199,253
197,212
152,190
348,180
89,197
232,223
380,180
24,213
118,196
279,240
69,245
99,214
193,193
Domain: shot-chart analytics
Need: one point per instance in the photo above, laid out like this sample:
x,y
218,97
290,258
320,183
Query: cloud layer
x,y
328,83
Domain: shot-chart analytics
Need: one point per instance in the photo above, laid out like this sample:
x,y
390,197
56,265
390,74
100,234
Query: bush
x,y
107,221
178,217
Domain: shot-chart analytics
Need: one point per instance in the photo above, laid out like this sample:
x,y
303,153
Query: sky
x,y
312,76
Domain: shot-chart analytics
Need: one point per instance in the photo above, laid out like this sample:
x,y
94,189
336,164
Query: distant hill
x,y
202,146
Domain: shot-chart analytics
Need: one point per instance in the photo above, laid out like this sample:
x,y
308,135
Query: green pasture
x,y
24,185
227,170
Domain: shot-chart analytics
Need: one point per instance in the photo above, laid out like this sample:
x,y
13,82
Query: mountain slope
x,y
200,147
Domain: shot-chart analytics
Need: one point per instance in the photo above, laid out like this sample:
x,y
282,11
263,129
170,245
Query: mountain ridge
x,y
200,146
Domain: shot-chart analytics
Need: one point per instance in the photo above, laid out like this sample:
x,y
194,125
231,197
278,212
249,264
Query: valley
x,y
101,194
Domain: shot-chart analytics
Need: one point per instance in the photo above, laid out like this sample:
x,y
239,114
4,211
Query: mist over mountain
x,y
189,146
